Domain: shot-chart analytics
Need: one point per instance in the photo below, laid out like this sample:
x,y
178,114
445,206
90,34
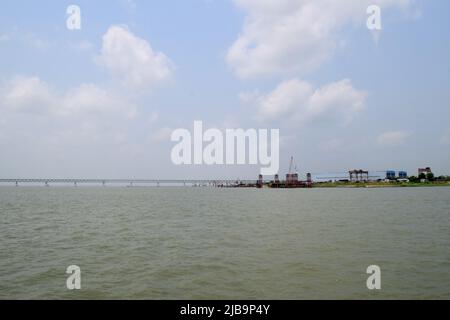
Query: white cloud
x,y
285,99
90,99
31,95
282,36
33,109
27,95
81,117
393,138
299,102
132,59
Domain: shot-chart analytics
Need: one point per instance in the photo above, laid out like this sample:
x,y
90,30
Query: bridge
x,y
129,182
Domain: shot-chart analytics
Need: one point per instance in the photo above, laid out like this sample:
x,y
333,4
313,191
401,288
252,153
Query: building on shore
x,y
403,175
424,171
359,175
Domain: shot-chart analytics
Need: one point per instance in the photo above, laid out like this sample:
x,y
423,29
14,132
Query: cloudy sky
x,y
102,101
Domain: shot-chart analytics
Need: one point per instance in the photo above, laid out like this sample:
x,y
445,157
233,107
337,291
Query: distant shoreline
x,y
379,185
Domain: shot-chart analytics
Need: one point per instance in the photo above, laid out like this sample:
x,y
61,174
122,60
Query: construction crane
x,y
292,176
291,165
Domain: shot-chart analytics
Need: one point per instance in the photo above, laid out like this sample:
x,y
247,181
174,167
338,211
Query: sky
x,y
103,100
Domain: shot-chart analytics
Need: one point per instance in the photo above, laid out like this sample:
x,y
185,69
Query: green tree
x,y
430,176
422,176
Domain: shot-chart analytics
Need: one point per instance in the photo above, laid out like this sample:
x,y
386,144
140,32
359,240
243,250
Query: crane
x,y
291,165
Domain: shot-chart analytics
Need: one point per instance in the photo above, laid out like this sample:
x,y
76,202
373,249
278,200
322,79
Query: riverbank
x,y
379,184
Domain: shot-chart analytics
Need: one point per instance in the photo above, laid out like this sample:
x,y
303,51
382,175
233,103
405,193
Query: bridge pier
x,y
17,183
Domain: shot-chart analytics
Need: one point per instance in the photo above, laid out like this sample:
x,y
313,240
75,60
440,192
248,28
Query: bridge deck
x,y
125,181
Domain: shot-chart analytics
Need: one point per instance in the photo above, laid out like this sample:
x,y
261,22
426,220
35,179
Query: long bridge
x,y
129,182
179,182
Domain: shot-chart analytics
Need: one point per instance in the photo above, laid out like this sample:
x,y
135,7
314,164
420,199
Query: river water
x,y
205,243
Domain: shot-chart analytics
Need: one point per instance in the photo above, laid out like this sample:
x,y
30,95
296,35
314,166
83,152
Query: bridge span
x,y
128,182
